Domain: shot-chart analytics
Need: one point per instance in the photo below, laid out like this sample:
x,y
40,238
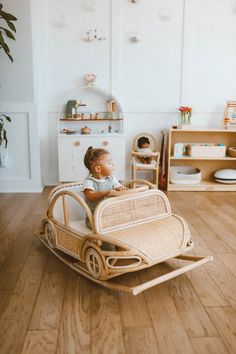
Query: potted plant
x,y
7,19
3,133
7,29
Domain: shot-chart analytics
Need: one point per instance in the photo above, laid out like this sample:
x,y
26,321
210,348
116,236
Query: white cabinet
x,y
102,114
71,151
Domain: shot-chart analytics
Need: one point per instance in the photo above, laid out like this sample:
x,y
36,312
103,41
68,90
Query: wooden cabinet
x,y
207,165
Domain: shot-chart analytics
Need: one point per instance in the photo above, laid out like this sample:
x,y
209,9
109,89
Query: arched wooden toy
x,y
130,231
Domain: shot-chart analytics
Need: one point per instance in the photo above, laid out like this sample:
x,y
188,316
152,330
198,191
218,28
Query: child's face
x,y
106,165
145,145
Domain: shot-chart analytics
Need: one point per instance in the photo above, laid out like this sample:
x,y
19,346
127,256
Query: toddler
x,y
100,181
144,148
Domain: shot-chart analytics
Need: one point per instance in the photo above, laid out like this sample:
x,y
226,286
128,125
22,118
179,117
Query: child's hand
x,y
121,188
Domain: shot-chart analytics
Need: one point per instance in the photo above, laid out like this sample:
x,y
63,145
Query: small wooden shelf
x,y
89,120
202,158
207,165
203,186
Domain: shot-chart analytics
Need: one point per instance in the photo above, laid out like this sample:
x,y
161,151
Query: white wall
x,y
23,171
186,55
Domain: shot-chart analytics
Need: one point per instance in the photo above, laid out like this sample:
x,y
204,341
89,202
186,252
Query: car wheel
x,y
94,263
50,236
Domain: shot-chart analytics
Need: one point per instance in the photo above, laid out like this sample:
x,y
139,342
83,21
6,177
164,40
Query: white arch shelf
x,y
102,92
106,133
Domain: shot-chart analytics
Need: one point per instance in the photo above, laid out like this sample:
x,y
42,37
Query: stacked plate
x,y
226,176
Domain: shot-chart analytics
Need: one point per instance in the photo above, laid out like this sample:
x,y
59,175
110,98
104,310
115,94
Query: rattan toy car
x,y
131,231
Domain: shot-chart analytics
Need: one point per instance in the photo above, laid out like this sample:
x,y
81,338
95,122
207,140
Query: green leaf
x,y
11,26
9,55
8,33
5,47
7,117
7,16
5,137
1,39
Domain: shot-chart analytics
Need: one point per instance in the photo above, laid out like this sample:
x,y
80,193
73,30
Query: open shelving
x,y
208,165
94,101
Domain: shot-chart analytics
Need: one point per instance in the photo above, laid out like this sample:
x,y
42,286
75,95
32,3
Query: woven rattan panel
x,y
126,212
155,239
68,242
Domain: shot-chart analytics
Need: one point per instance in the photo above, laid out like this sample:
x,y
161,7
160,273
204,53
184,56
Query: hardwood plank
x,y
4,296
164,319
210,295
228,196
219,273
47,311
42,203
40,342
133,309
5,199
15,260
6,206
210,345
226,205
224,319
141,340
230,261
106,329
16,225
191,311
16,315
74,330
9,204
201,227
226,231
167,325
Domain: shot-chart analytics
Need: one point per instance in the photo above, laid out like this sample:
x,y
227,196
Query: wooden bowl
x,y
232,151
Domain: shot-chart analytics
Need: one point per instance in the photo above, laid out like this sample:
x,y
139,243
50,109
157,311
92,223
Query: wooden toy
x,y
131,231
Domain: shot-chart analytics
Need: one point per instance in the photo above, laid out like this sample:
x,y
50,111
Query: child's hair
x,y
92,156
143,140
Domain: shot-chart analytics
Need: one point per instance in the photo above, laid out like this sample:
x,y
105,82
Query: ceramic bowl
x,y
232,151
185,175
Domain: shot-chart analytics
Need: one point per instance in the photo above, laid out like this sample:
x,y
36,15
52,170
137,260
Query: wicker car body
x,y
130,232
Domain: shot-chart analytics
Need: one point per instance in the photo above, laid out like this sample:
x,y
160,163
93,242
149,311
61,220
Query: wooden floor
x,y
47,308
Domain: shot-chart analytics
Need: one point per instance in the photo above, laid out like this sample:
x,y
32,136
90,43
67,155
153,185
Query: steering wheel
x,y
128,191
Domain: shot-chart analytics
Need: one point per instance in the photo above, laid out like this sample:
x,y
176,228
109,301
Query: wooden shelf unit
x,y
89,120
207,165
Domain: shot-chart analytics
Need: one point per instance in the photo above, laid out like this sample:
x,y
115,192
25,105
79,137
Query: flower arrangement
x,y
186,113
90,79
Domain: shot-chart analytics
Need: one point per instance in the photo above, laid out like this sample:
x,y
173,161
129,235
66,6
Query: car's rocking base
x,y
134,290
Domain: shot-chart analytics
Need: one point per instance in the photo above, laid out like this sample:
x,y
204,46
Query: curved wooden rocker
x,y
131,231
